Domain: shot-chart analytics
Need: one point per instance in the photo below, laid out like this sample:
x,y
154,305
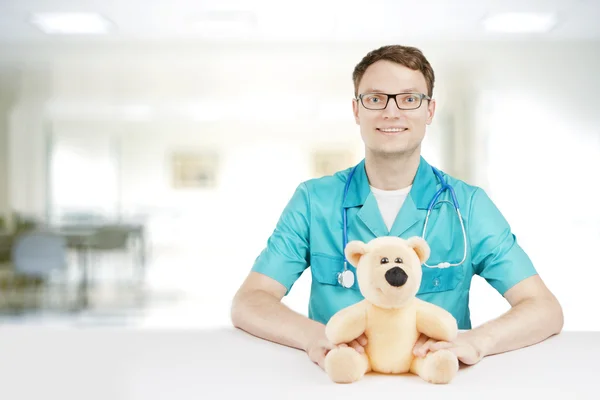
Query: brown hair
x,y
410,57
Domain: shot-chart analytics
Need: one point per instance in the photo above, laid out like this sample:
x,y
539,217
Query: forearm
x,y
261,314
525,324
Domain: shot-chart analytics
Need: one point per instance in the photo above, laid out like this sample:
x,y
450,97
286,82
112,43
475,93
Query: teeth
x,y
391,130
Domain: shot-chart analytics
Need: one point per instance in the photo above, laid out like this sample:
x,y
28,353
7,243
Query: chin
x,y
397,149
391,152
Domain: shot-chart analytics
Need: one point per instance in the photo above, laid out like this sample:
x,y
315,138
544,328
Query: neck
x,y
391,172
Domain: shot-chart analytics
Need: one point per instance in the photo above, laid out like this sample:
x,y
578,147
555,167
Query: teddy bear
x,y
389,274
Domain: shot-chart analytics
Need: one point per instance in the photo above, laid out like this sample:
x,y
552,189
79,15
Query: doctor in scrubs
x,y
389,193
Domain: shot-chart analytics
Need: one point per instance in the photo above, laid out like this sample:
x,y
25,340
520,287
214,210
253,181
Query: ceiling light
x,y
71,23
520,22
226,21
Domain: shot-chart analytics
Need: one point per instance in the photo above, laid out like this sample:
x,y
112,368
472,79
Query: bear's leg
x,y
346,365
436,367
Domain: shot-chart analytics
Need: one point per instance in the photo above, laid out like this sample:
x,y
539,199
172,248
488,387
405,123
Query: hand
x,y
358,344
463,347
318,348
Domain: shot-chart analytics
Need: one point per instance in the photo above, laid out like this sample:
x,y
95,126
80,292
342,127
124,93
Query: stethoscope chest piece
x,y
346,278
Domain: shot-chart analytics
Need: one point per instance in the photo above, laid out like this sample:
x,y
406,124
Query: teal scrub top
x,y
309,234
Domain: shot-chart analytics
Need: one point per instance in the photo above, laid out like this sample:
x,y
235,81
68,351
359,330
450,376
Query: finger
x,y
356,346
321,362
424,349
428,345
362,340
420,342
464,355
327,345
342,345
440,345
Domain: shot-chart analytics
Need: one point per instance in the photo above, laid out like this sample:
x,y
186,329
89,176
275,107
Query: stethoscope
x,y
346,277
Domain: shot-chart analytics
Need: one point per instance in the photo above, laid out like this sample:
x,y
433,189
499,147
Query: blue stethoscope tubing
x,y
346,277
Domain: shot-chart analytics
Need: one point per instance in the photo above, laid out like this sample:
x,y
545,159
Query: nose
x,y
396,276
392,110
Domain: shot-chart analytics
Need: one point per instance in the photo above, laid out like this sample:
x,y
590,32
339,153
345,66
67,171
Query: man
x,y
389,194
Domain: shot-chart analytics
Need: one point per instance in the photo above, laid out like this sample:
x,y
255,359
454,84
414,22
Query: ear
x,y
420,246
354,251
430,111
355,111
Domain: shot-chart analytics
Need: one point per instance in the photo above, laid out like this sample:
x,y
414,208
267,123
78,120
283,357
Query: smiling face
x,y
388,269
392,131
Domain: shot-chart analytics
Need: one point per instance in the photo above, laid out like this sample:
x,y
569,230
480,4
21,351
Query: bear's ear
x,y
420,246
354,251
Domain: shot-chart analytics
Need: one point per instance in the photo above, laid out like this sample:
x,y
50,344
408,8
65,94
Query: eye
x,y
409,99
374,98
385,260
398,260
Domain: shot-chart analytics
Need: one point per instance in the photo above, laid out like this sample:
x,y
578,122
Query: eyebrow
x,y
408,90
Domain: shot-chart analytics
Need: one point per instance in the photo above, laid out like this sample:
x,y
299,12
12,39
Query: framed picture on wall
x,y
328,162
194,170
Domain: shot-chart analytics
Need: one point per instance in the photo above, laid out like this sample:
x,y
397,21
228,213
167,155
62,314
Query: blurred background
x,y
147,148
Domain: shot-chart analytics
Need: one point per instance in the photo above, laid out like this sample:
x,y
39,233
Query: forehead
x,y
391,77
390,250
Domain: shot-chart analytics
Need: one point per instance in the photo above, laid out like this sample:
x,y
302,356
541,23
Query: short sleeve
x,y
496,255
286,254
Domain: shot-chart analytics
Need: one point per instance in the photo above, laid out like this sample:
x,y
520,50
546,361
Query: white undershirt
x,y
390,202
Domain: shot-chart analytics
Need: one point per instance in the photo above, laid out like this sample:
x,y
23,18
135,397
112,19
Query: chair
x,y
109,239
37,256
5,247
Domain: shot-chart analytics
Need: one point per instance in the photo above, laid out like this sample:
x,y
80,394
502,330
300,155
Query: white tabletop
x,y
45,363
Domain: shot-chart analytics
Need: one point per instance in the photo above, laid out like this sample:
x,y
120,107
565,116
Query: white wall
x,y
28,127
7,100
538,120
4,207
158,101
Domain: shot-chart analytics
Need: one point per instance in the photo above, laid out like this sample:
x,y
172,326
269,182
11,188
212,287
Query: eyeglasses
x,y
379,101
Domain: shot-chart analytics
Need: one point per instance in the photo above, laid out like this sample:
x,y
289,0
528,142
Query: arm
x,y
535,313
435,322
534,316
347,324
257,309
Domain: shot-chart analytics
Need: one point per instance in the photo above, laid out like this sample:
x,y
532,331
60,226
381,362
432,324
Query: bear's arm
x,y
347,324
435,322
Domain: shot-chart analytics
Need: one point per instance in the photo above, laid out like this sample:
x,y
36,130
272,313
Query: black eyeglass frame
x,y
421,97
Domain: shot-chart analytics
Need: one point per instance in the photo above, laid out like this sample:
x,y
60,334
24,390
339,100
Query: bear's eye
x,y
398,260
385,260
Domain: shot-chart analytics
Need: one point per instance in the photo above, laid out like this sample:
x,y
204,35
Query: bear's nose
x,y
396,276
